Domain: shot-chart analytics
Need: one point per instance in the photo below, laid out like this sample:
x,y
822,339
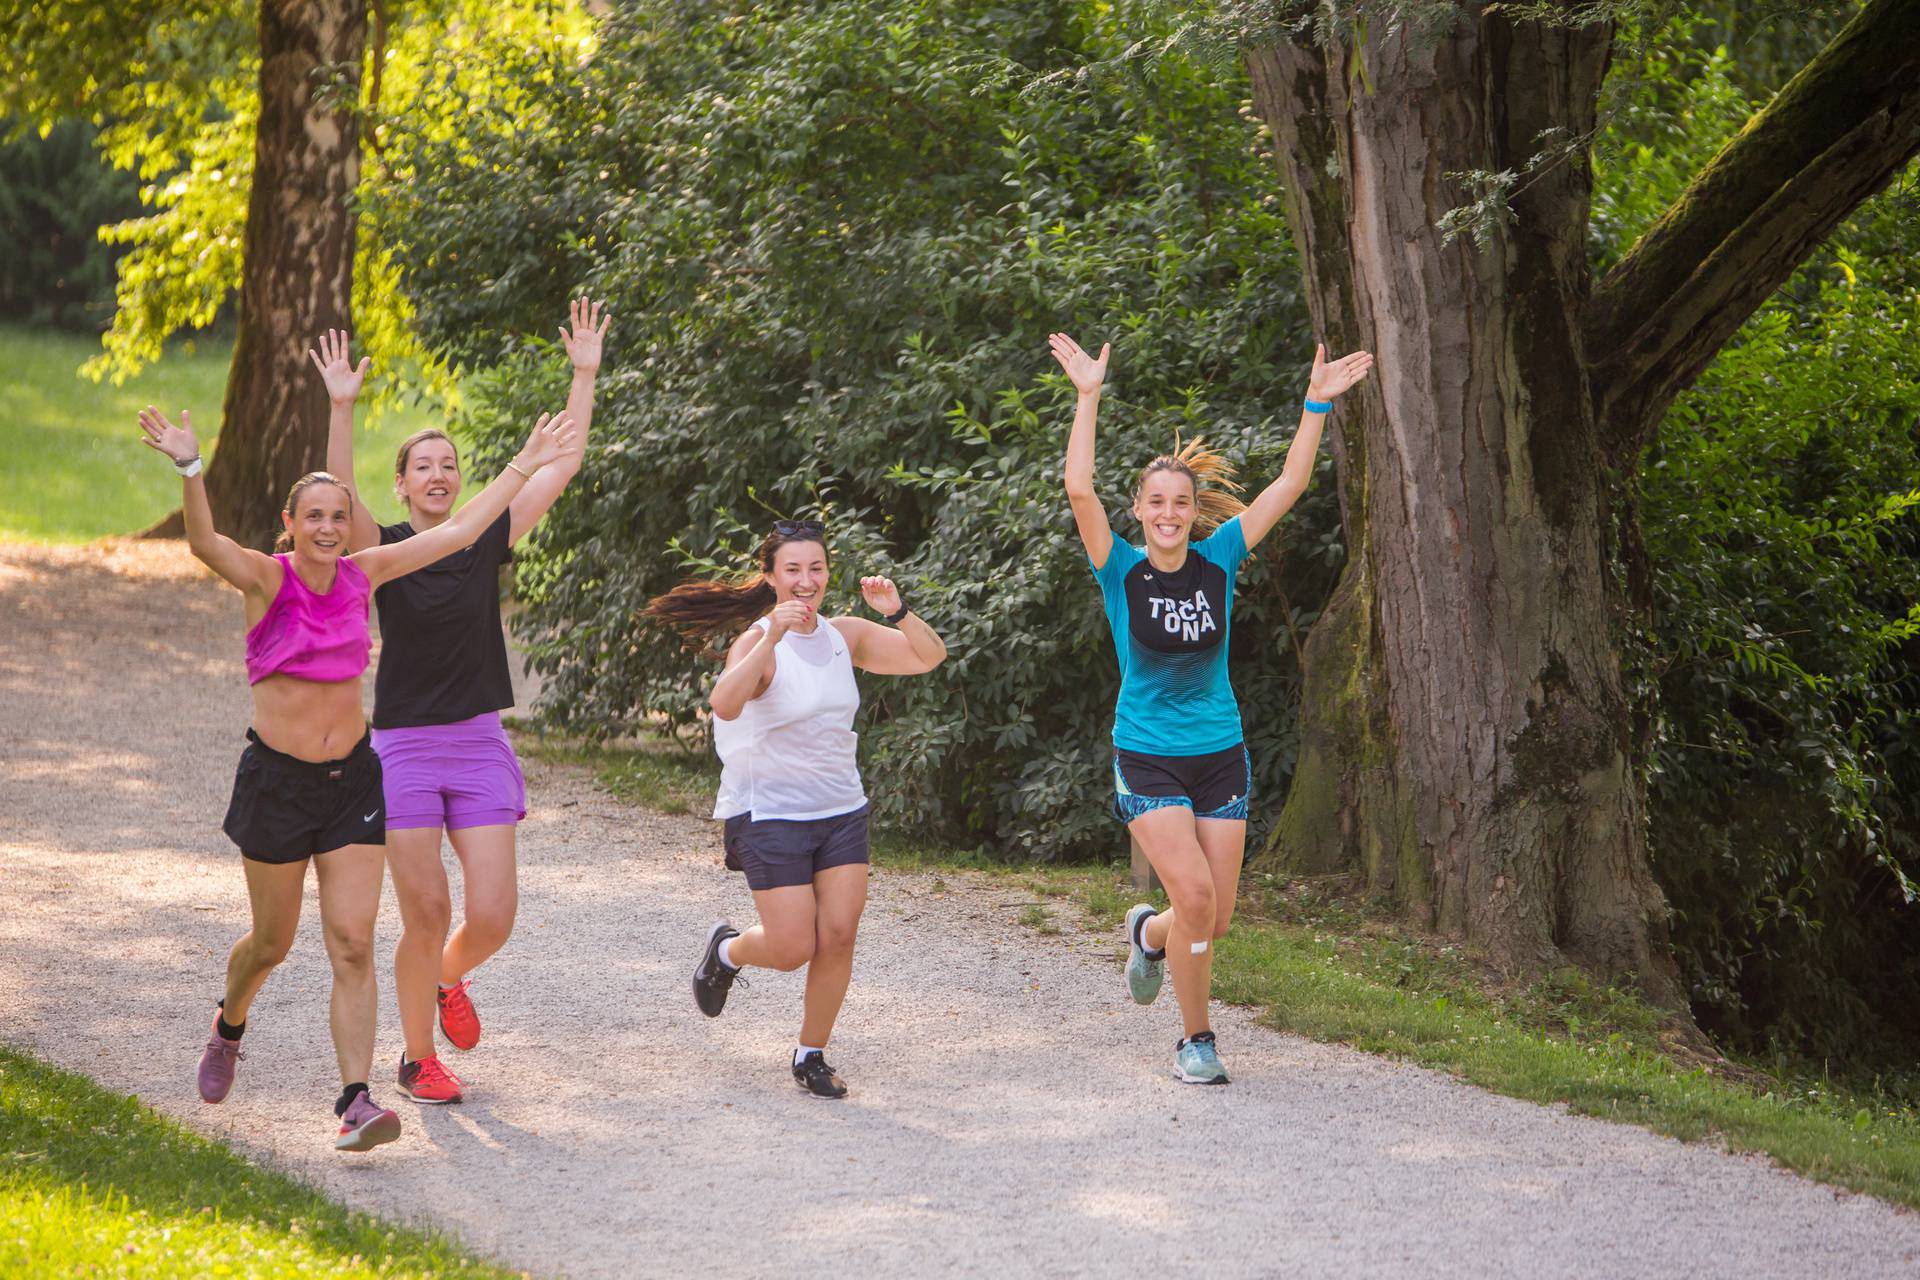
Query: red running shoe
x,y
428,1081
459,1020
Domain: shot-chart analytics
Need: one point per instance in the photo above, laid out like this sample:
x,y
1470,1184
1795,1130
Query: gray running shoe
x,y
1144,976
712,979
1197,1062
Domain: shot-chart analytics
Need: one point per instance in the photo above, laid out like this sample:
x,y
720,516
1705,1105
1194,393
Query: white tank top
x,y
789,754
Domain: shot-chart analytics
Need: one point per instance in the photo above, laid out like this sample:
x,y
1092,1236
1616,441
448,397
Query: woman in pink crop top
x,y
308,787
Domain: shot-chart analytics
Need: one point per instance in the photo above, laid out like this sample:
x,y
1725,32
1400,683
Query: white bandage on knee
x,y
1198,947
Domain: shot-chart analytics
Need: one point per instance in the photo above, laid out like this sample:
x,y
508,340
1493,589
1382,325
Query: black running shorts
x,y
284,809
779,853
1215,785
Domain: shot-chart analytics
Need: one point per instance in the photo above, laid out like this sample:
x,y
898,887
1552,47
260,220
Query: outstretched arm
x,y
552,440
1086,374
913,650
343,381
1327,381
583,348
241,566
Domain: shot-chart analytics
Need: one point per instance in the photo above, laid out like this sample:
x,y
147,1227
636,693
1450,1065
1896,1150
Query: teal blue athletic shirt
x,y
1170,632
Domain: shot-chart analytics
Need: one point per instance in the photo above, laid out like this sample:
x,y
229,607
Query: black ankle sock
x,y
346,1098
1140,937
228,1030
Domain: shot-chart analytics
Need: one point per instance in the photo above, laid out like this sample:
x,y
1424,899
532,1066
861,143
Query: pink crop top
x,y
312,636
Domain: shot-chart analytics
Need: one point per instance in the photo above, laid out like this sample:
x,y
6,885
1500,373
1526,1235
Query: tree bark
x,y
1466,730
297,274
1468,750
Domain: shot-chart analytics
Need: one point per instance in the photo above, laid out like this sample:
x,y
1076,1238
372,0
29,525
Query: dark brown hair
x,y
1214,502
285,541
709,611
406,447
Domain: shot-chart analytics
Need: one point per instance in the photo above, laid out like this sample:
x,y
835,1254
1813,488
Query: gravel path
x,y
1012,1112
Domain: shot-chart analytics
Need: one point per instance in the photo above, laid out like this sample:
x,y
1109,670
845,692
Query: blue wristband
x,y
1319,406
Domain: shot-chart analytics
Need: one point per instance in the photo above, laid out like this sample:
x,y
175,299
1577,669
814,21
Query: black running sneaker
x,y
814,1075
711,979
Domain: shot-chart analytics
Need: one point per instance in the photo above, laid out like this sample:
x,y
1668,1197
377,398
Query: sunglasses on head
x,y
799,529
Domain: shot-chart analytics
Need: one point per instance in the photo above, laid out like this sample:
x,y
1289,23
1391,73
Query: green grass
x,y
1315,964
92,1183
74,469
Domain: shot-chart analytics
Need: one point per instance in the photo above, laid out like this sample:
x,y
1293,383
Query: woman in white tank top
x,y
790,791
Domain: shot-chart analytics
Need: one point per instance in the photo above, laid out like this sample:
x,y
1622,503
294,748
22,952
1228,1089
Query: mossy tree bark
x,y
297,272
1469,749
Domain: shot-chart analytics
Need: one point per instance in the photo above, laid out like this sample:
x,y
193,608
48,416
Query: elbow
x,y
724,708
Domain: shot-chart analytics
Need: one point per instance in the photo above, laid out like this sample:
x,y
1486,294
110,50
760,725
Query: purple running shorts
x,y
455,775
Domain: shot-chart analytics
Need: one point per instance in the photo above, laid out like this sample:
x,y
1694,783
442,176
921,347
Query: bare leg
x,y
274,889
492,896
420,884
784,938
1186,929
350,880
840,895
1224,842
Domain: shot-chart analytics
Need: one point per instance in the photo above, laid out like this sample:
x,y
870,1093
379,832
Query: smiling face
x,y
317,519
1165,507
428,479
798,572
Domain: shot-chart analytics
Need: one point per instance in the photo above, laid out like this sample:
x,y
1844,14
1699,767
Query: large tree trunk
x,y
297,276
1467,743
1466,732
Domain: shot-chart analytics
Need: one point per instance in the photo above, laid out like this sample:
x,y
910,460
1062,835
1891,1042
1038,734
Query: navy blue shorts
x,y
1215,785
780,853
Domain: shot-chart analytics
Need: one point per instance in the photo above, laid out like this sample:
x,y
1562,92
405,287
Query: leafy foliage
x,y
834,256
54,194
1782,518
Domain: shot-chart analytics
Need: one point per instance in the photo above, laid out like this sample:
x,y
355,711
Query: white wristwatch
x,y
188,469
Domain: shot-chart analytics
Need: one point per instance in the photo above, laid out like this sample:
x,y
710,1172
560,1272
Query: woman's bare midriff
x,y
309,719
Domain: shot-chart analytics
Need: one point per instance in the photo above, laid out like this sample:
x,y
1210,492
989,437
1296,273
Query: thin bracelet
x,y
522,474
1319,406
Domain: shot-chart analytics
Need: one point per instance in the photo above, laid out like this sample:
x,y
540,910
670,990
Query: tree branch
x,y
1837,133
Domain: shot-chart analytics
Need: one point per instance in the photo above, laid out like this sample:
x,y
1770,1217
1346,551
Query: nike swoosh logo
x,y
369,817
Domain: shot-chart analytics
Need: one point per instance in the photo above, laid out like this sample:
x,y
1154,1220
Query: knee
x,y
789,952
835,939
1194,905
493,918
428,915
351,953
1222,917
270,949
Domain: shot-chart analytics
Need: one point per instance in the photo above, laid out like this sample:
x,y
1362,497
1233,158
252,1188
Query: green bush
x,y
835,240
1781,508
56,193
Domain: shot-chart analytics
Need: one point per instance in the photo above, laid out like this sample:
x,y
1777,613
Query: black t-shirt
x,y
443,656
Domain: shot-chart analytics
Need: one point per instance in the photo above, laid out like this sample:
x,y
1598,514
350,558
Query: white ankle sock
x,y
1140,930
801,1053
726,953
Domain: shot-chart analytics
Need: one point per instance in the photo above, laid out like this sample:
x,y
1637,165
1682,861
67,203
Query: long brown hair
x,y
1214,502
285,541
708,611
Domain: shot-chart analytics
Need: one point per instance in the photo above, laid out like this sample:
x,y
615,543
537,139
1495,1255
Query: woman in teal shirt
x,y
1181,774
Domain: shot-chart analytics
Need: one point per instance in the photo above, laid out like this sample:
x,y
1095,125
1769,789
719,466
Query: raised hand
x,y
1329,380
177,443
554,436
785,617
881,596
336,368
1083,370
589,328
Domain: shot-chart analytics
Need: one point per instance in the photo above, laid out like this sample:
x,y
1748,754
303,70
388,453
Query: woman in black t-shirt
x,y
442,682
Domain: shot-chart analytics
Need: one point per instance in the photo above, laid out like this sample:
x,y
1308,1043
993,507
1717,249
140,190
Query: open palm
x,y
337,370
583,344
177,443
1330,379
1083,370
